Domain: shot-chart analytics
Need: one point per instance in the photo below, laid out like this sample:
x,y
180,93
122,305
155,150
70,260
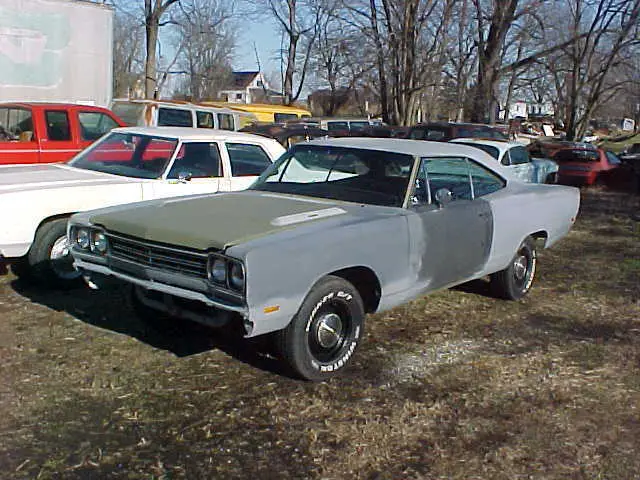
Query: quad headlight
x,y
83,238
226,273
89,239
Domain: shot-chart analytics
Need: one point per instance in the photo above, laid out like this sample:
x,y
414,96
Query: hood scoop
x,y
306,216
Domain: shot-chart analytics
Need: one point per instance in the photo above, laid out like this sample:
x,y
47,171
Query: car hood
x,y
219,221
22,178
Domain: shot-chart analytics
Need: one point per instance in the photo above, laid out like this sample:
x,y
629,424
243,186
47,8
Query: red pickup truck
x,y
50,132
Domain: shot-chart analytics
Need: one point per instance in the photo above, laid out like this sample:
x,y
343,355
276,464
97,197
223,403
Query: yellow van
x,y
266,112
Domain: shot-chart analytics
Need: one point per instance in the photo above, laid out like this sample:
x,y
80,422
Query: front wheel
x,y
322,337
515,281
49,261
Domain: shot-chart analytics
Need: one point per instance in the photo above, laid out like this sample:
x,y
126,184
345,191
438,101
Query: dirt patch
x,y
453,385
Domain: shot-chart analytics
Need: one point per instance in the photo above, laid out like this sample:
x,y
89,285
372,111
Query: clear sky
x,y
267,39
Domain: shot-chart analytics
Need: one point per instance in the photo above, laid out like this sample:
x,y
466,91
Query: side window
x,y
612,159
197,160
247,160
225,121
16,124
506,158
519,155
284,117
173,117
94,124
205,120
57,125
484,181
450,173
333,126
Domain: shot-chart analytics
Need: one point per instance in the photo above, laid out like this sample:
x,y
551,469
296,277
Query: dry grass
x,y
454,385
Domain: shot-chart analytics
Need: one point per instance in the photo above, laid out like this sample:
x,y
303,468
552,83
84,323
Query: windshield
x,y
129,155
340,173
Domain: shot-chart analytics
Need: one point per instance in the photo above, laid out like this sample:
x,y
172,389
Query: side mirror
x,y
184,176
443,196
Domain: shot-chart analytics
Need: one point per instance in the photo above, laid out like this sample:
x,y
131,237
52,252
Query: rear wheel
x,y
552,178
322,337
514,282
49,261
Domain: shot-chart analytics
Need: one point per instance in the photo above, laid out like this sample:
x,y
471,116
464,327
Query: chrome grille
x,y
161,257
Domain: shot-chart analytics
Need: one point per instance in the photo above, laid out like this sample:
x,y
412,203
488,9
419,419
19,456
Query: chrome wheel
x,y
61,260
328,331
520,268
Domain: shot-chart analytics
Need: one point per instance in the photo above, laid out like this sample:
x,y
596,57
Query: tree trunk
x,y
382,76
489,52
150,63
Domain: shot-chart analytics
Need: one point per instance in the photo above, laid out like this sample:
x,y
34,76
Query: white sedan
x,y
125,166
516,158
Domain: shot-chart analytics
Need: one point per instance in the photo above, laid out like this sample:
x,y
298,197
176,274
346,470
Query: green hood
x,y
213,221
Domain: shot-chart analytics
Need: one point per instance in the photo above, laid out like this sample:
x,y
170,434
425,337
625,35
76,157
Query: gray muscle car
x,y
333,230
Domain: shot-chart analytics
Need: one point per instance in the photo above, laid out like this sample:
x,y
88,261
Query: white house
x,y
248,87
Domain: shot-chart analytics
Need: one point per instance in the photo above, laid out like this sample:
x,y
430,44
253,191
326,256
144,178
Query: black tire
x,y
322,337
38,264
515,281
552,178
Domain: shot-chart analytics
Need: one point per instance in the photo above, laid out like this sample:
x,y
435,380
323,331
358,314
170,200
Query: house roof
x,y
243,79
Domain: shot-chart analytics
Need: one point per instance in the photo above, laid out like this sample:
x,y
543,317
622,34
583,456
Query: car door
x,y
246,162
196,168
521,165
61,142
456,235
18,138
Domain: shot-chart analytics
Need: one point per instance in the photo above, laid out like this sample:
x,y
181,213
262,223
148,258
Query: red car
x,y
588,165
50,132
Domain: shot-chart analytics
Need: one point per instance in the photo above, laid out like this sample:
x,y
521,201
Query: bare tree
x,y
298,23
154,10
128,53
333,52
606,29
205,42
410,42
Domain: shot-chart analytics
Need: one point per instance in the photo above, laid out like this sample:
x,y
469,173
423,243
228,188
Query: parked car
x,y
516,158
584,166
547,147
287,135
153,113
127,165
50,132
335,229
341,126
445,131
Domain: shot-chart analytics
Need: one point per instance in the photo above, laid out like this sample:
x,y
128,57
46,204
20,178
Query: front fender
x,y
280,274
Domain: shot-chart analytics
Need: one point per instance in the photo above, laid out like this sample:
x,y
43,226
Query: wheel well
x,y
367,284
52,218
540,236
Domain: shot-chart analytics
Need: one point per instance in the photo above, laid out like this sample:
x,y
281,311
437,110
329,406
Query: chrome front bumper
x,y
82,265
